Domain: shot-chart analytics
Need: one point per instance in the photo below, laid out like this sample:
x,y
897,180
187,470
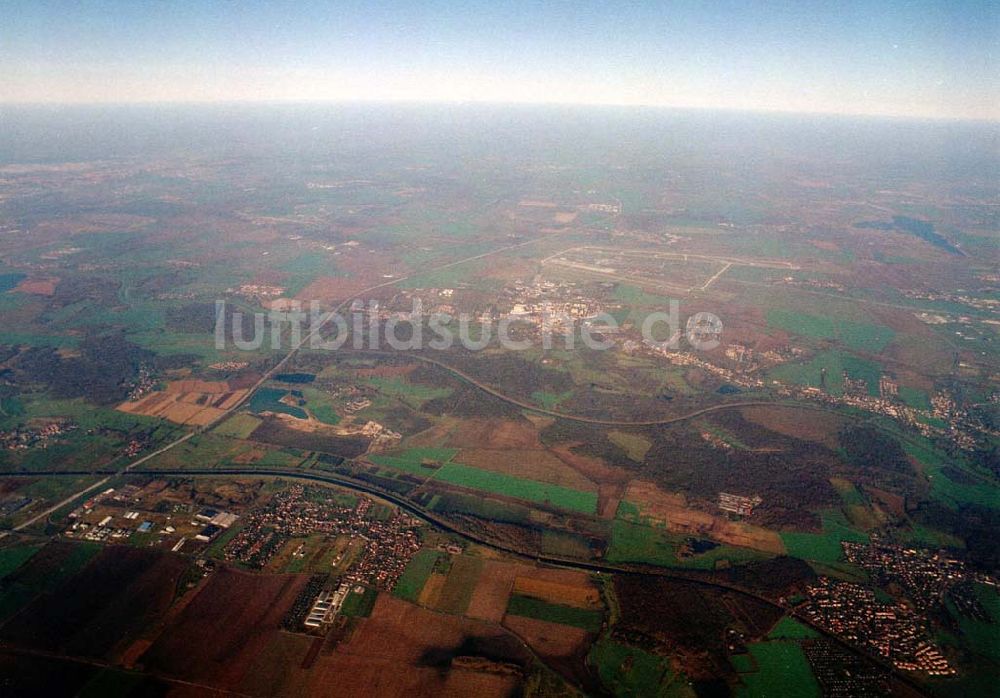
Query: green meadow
x,y
550,401
979,635
836,364
530,490
914,397
412,581
359,605
408,392
445,278
239,426
529,607
635,539
630,671
14,557
781,670
943,488
632,542
790,629
302,270
320,405
635,445
419,461
860,336
825,546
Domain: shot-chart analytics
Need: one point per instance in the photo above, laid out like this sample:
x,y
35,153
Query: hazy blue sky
x,y
899,57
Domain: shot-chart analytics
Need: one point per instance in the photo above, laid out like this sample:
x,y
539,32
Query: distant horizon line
x,y
493,103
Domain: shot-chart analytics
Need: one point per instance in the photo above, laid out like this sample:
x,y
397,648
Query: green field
x,y
444,278
638,305
849,494
407,392
530,490
914,397
413,460
836,364
790,629
360,605
203,450
550,401
861,336
723,435
630,671
86,415
947,490
412,581
239,426
730,554
529,607
638,298
635,541
276,458
743,663
632,542
439,455
13,557
782,670
50,490
406,465
216,547
981,637
320,405
927,536
635,445
460,584
306,267
825,546
628,511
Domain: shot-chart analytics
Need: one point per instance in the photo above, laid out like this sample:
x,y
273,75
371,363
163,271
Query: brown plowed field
x,y
406,650
187,402
498,579
197,386
220,635
494,434
329,290
431,593
799,424
489,600
96,612
558,593
38,287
